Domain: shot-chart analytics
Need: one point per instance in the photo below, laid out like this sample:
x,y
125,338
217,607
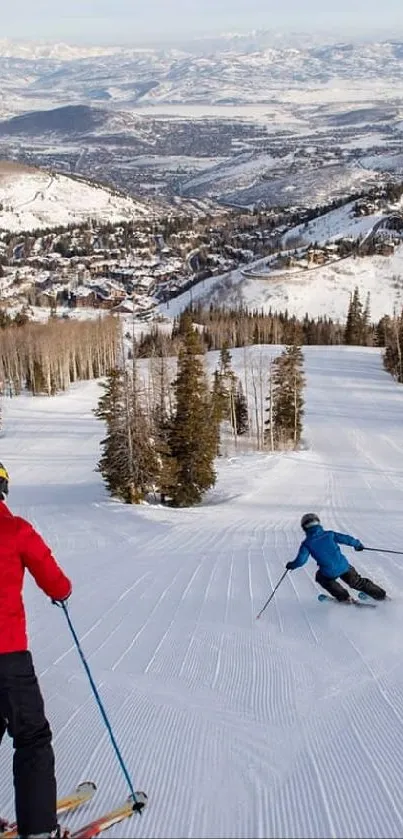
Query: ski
x,y
82,793
323,598
363,596
102,823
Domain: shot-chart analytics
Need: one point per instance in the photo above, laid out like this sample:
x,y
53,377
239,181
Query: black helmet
x,y
309,520
4,479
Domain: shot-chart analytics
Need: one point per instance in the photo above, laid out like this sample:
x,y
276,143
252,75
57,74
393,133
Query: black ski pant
x,y
353,579
22,715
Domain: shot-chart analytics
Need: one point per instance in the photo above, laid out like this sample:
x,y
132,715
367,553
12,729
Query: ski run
x,y
290,726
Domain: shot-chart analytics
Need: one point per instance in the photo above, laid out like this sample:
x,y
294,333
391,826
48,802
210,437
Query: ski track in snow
x,y
290,726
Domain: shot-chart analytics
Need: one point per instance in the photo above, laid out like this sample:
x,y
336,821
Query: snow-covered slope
x,y
31,198
319,290
322,290
287,727
335,224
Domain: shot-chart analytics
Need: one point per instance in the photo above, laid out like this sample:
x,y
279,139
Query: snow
x,y
334,225
235,170
383,162
365,141
32,199
323,290
31,50
234,727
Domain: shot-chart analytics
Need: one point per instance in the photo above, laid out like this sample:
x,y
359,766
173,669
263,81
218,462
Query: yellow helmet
x,y
4,480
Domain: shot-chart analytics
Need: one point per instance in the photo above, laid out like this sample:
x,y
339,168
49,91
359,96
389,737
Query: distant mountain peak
x,y
34,50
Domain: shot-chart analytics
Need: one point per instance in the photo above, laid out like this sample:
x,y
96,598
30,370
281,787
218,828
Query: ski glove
x,y
359,547
290,565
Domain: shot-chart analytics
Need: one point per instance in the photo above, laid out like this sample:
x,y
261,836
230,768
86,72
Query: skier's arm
x,y
345,539
301,558
38,558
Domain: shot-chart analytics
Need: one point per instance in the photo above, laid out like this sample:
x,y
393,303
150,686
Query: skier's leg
x,y
34,765
332,586
3,729
354,580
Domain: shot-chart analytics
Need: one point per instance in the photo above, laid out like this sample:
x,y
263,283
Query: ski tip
x,y
86,786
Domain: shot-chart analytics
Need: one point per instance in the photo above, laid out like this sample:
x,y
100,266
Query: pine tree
x,y
366,322
129,463
113,464
297,383
193,434
355,321
393,354
225,361
383,330
241,410
286,404
219,398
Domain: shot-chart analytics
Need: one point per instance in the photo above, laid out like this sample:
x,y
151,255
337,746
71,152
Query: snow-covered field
x,y
287,727
32,199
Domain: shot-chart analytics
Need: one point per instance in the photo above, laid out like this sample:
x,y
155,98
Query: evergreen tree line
x,y
47,358
163,437
222,326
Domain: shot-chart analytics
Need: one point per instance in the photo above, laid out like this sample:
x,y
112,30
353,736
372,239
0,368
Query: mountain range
x,y
242,119
232,71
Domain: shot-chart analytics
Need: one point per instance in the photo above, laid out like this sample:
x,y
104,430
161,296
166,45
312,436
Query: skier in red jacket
x,y
22,712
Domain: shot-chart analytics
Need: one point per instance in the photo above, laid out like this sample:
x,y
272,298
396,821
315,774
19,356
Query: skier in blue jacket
x,y
323,546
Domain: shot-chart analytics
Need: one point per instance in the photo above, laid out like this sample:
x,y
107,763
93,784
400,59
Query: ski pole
x,y
383,551
272,594
123,767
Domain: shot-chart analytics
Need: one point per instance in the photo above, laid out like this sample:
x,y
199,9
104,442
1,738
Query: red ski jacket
x,y
22,547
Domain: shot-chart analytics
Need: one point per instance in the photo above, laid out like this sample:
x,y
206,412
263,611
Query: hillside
x,y
273,723
74,119
31,198
308,287
321,291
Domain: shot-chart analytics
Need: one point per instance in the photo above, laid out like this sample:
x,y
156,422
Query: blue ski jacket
x,y
323,546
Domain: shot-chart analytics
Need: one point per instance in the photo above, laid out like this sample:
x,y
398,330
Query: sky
x,y
133,21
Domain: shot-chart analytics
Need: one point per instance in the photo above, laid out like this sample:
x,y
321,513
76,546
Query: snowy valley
x,y
241,120
239,160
